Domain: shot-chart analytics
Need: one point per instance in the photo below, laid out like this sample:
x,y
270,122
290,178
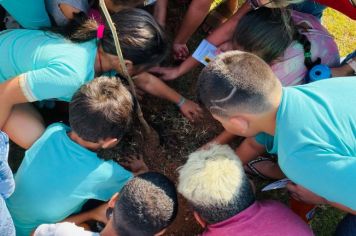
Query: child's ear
x,y
113,200
109,143
199,219
240,123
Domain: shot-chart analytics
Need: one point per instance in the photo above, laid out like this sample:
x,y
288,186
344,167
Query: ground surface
x,y
178,137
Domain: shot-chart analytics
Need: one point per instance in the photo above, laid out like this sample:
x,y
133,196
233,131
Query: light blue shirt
x,y
56,177
51,66
30,14
315,138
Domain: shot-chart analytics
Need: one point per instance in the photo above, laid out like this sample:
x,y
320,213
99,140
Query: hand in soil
x,y
191,111
180,51
135,164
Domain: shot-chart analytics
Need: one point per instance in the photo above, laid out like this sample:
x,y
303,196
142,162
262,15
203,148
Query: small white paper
x,y
276,185
206,52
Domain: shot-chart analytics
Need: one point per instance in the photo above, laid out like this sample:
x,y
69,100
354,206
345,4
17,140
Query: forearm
x,y
226,30
189,64
79,218
249,150
223,138
160,11
154,86
195,15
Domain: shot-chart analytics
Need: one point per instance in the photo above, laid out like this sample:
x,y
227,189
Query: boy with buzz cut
x,y
145,206
62,170
312,128
214,183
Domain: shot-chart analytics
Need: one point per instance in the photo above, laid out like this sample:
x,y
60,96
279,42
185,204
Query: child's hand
x,y
166,73
191,111
180,51
135,164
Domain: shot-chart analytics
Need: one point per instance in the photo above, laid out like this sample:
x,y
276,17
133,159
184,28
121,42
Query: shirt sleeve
x,y
54,81
329,175
7,183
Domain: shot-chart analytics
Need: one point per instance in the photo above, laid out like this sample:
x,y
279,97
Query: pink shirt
x,y
263,218
290,68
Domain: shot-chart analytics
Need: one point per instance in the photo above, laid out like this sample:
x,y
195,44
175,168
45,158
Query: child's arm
x,y
219,36
249,150
160,12
97,214
197,11
154,86
223,138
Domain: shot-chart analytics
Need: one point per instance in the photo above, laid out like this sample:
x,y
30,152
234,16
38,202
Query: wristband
x,y
181,102
206,52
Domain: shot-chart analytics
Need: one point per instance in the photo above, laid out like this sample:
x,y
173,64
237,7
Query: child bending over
x,y
145,206
214,183
62,170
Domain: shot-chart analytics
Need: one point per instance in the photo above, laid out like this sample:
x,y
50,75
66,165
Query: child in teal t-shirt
x,y
314,125
61,171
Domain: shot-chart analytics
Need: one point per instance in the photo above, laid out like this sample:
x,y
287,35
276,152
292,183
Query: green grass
x,y
342,28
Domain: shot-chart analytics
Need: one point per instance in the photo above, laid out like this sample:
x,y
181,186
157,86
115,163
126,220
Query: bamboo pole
x,y
123,68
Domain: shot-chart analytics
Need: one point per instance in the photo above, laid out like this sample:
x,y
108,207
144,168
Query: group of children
x,y
64,50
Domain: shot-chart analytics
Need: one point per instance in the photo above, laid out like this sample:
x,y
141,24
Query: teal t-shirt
x,y
30,14
56,177
52,67
315,138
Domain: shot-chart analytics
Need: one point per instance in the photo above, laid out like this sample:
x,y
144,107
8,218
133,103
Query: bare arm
x,y
249,150
198,10
10,95
160,12
154,86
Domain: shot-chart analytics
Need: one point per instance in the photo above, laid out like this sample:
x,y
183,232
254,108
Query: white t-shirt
x,y
62,229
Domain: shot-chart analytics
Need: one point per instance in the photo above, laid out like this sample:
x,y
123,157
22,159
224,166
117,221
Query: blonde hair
x,y
214,182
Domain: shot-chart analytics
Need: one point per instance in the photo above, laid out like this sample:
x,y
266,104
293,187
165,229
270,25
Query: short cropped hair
x,y
147,204
236,81
101,109
215,184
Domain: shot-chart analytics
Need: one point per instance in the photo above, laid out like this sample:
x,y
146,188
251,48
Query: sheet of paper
x,y
206,52
276,185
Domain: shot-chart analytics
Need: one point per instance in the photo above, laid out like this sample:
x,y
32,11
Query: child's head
x,y
238,88
267,33
142,40
215,184
146,205
101,110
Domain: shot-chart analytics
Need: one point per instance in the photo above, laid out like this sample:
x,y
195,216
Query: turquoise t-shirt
x,y
315,138
30,14
56,177
52,67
